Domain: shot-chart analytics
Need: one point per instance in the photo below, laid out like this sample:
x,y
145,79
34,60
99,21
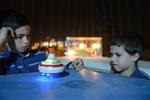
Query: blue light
x,y
51,76
54,75
47,74
43,74
44,78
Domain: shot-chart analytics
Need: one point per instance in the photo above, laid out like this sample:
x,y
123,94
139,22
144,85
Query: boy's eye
x,y
18,37
21,36
118,55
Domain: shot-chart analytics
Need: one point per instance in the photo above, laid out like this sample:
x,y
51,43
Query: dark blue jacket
x,y
14,63
140,74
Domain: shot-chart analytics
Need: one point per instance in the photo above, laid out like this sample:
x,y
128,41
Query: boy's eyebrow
x,y
117,53
22,35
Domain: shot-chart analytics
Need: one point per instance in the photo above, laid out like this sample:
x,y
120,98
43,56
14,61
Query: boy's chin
x,y
115,70
23,51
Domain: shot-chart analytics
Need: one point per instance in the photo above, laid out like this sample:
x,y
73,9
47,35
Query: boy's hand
x,y
4,33
77,64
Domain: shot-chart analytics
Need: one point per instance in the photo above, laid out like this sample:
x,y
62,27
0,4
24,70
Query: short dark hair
x,y
13,19
130,41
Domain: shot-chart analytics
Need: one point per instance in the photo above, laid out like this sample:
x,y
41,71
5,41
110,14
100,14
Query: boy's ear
x,y
135,57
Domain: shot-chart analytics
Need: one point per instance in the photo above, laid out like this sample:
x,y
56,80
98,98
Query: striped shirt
x,y
14,63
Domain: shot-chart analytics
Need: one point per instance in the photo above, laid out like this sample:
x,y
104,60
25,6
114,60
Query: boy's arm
x,y
76,64
4,34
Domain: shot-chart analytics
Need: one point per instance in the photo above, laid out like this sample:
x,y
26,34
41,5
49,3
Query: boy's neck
x,y
22,53
128,71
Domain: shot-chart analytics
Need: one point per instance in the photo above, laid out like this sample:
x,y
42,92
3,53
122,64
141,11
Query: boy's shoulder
x,y
140,74
36,52
7,53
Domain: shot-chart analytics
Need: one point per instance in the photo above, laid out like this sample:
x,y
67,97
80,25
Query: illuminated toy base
x,y
51,70
56,75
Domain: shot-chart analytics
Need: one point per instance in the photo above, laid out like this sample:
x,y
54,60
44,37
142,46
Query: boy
x,y
126,50
18,58
15,34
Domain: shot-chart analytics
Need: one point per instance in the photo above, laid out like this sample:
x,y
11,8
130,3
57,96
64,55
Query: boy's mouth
x,y
113,64
24,48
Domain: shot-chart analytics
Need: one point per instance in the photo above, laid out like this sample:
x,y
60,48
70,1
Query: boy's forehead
x,y
23,30
115,48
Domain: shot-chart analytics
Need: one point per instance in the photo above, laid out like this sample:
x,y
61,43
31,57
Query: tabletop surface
x,y
73,85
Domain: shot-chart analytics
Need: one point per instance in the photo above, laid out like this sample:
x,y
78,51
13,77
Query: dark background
x,y
60,18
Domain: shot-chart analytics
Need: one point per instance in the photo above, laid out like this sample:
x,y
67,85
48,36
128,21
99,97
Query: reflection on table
x,y
73,85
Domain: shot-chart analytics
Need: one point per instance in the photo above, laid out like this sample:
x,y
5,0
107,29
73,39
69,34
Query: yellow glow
x,y
82,46
45,44
60,44
83,71
35,46
95,75
50,44
71,53
96,46
85,46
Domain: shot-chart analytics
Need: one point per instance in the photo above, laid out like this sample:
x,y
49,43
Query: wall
x,y
61,18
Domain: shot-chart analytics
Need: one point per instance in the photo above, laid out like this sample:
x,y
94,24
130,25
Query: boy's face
x,y
120,59
22,38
